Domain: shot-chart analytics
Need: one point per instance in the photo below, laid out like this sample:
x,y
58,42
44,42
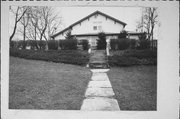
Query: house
x,y
133,35
90,26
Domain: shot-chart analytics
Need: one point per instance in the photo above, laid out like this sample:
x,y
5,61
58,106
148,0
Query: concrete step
x,y
99,84
98,65
99,77
100,104
99,92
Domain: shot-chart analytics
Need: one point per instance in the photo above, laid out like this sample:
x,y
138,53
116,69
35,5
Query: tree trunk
x,y
14,30
24,38
35,32
152,29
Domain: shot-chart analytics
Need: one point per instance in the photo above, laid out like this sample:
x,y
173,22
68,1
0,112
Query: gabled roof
x,y
94,13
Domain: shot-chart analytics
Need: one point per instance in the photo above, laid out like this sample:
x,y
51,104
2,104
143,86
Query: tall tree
x,y
32,29
47,23
24,22
148,21
19,13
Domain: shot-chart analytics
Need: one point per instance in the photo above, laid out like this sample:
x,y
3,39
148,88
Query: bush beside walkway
x,y
77,57
132,57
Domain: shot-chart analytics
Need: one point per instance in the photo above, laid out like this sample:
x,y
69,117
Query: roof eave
x,y
96,12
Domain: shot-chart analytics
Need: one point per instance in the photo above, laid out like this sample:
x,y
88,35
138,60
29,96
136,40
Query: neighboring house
x,y
89,27
133,35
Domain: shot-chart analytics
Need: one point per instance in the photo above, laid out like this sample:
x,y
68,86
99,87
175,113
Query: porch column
x,y
89,46
107,46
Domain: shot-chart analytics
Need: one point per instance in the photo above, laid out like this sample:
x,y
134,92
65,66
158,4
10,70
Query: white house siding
x,y
134,37
112,37
107,26
91,39
61,36
86,27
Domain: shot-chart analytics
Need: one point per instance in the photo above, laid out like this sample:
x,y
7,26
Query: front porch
x,y
93,42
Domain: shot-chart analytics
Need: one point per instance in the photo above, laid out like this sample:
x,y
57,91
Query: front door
x,y
93,43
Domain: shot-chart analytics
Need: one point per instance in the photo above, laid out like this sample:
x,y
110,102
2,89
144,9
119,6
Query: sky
x,y
69,15
129,15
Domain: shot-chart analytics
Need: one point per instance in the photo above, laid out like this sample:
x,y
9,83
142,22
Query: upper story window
x,y
97,28
94,27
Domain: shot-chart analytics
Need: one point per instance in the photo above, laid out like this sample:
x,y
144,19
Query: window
x,y
95,27
100,27
93,43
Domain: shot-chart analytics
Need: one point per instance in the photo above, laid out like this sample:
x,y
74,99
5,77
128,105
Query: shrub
x,y
140,54
13,44
85,44
63,56
21,44
101,44
122,61
33,44
144,43
120,44
123,34
133,43
61,44
52,45
133,57
72,44
114,44
69,44
123,43
41,44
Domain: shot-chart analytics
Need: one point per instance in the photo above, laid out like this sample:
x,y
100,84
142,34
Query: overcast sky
x,y
129,15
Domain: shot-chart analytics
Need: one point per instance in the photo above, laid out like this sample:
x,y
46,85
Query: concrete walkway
x,y
99,95
98,60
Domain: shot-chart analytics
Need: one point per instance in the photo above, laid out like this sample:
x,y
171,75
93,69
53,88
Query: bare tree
x,y
38,23
32,29
24,22
48,23
18,16
148,21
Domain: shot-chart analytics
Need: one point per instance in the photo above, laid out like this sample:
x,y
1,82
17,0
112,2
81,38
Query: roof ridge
x,y
97,11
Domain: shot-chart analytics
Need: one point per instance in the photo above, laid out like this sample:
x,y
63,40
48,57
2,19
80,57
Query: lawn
x,y
46,85
135,87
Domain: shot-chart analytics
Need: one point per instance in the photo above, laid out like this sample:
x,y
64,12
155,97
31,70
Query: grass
x,y
77,57
135,87
46,85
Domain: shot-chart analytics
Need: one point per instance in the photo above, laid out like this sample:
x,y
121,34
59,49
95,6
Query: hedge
x,y
101,43
69,44
63,56
133,57
120,44
122,61
85,44
52,45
